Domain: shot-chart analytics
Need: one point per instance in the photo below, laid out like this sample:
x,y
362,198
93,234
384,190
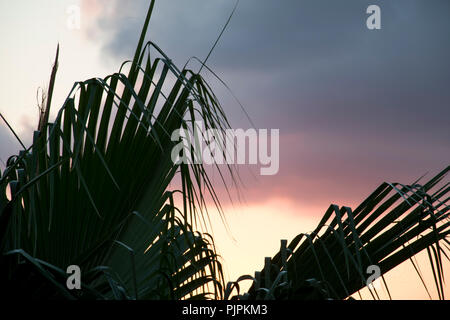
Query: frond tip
x,y
391,226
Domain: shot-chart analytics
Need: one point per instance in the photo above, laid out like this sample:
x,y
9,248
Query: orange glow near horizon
x,y
256,231
331,149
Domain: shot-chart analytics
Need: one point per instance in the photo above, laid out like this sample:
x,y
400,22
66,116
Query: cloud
x,y
311,59
8,145
354,107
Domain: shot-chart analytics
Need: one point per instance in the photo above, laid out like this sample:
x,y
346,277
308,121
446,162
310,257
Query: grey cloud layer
x,y
371,104
310,62
8,145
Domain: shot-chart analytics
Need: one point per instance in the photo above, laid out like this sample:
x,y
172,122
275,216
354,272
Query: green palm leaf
x,y
94,188
391,226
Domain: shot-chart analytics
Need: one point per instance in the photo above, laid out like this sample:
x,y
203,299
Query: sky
x,y
355,107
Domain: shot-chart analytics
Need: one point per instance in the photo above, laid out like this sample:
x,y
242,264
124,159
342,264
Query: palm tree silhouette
x,y
93,191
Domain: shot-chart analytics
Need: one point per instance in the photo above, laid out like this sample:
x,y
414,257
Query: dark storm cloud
x,y
355,107
311,63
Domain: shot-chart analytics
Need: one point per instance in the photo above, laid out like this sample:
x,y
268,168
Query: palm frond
x,y
391,226
94,188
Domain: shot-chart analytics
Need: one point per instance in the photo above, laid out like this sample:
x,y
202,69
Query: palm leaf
x,y
94,188
391,226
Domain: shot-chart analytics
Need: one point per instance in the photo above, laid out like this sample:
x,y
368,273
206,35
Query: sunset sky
x,y
355,107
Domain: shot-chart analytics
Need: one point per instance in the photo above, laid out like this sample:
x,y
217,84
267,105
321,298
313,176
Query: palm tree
x,y
95,190
391,226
